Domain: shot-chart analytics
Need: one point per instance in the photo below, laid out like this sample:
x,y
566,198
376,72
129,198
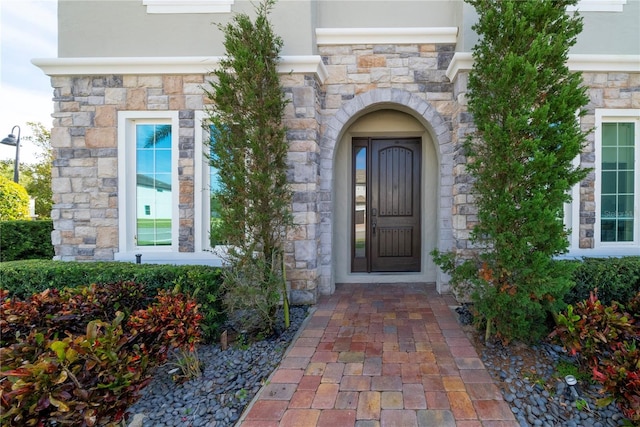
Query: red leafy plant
x,y
172,322
67,310
20,317
55,374
605,339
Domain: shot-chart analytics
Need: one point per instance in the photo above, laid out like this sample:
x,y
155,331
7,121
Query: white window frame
x,y
202,199
201,186
572,212
127,121
617,116
128,250
572,219
187,6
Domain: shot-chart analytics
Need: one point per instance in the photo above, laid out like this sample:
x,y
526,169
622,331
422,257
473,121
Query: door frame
x,y
366,264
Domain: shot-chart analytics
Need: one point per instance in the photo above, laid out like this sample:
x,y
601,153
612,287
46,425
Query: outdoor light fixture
x,y
571,382
14,142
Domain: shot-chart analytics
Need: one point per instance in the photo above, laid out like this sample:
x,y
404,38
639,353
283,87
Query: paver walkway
x,y
381,355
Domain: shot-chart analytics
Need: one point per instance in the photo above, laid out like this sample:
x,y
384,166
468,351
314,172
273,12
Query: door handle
x,y
373,228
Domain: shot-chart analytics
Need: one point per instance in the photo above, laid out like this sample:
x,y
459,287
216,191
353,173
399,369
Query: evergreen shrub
x,y
20,240
249,150
25,278
519,158
612,279
14,200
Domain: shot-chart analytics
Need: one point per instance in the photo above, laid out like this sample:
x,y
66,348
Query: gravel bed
x,y
528,379
229,381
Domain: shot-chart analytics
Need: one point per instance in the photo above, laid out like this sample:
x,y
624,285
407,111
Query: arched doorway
x,y
385,200
437,159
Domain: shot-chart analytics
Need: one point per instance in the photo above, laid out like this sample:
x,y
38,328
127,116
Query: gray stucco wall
x,y
124,29
604,33
387,14
611,33
103,28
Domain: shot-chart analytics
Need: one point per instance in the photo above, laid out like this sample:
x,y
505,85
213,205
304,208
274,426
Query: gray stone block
x,y
302,297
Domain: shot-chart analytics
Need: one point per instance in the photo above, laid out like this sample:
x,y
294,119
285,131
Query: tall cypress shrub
x,y
524,100
249,150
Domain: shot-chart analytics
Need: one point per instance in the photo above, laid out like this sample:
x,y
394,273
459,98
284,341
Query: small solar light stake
x,y
571,382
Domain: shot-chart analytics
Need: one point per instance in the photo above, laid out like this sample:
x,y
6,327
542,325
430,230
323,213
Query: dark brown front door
x,y
386,235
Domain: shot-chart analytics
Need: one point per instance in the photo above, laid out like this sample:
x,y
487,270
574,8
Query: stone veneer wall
x,y
613,90
465,212
84,142
411,76
302,248
85,150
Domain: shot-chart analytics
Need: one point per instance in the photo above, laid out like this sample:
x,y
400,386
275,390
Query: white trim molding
x,y
606,63
463,61
166,65
188,6
598,6
344,36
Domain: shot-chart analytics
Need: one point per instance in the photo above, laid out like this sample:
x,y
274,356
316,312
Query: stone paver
x,y
381,355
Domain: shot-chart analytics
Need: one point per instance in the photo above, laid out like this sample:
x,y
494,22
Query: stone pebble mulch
x,y
229,381
538,398
528,378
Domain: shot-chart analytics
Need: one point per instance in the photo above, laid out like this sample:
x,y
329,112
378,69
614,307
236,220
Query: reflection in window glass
x,y
617,190
214,186
360,192
153,185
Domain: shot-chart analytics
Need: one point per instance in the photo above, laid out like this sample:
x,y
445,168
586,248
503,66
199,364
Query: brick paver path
x,y
380,356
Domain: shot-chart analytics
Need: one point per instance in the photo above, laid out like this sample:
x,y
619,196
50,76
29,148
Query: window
x,y
617,177
153,184
616,187
206,183
149,209
148,196
359,200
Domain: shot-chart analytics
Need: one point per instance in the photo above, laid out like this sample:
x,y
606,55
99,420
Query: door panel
x,y
386,205
395,205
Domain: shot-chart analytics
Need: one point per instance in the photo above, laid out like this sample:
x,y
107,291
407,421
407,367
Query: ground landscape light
x,y
14,142
571,382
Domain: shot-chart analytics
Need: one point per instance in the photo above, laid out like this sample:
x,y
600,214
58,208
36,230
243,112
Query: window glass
x,y
617,182
214,206
153,185
360,191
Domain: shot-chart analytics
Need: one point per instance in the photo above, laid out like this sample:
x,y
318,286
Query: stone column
x,y
464,210
302,247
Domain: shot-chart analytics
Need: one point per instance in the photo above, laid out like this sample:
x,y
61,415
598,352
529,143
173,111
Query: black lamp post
x,y
14,142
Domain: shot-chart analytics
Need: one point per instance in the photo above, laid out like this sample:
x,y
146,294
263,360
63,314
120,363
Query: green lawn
x,y
154,232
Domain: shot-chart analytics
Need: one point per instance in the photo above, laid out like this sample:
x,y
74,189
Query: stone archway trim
x,y
335,127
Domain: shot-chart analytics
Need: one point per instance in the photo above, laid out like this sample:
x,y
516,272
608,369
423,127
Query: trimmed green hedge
x,y
25,278
21,240
616,279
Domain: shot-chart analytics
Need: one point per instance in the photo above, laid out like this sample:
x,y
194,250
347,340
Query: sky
x,y
28,30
